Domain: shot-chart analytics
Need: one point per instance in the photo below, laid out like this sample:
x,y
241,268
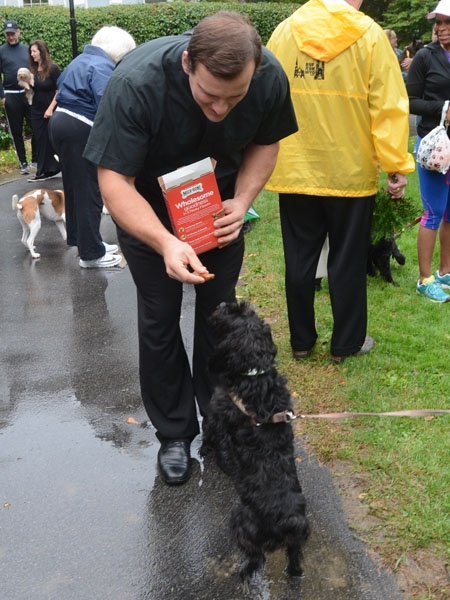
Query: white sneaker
x,y
108,260
111,248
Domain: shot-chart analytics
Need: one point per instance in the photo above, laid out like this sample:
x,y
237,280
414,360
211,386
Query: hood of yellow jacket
x,y
323,29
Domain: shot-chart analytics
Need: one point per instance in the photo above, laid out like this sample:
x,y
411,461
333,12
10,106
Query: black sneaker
x,y
24,170
42,177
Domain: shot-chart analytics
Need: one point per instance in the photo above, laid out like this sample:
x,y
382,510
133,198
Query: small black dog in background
x,y
249,428
379,257
390,219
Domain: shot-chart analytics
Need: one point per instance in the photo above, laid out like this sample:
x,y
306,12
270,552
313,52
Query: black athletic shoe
x,y
43,177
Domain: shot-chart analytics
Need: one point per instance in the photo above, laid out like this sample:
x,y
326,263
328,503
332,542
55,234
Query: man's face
x,y
215,96
12,37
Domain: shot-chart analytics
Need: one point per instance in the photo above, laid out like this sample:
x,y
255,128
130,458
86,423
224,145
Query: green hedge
x,y
143,21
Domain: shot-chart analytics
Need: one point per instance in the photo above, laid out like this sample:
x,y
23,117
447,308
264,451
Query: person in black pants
x,y
46,74
213,92
80,88
13,56
347,86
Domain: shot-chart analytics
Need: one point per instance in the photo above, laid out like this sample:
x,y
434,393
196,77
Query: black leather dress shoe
x,y
174,461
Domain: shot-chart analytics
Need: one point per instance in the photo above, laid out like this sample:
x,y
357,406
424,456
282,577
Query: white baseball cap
x,y
443,8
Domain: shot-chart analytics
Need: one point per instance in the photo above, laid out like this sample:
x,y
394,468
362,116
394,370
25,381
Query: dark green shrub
x,y
143,21
392,216
5,137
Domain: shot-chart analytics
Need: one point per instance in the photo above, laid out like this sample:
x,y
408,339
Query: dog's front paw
x,y
35,255
224,460
294,572
250,570
205,449
246,586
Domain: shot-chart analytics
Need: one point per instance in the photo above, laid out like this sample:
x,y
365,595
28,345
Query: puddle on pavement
x,y
84,515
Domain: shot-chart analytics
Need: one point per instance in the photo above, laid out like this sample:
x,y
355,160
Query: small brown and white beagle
x,y
29,208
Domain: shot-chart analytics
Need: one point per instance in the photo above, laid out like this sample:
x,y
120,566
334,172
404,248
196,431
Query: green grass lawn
x,y
8,161
404,462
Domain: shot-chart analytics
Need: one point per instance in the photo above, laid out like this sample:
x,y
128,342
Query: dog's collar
x,y
254,372
285,416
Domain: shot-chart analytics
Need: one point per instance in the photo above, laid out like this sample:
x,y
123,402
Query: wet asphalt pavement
x,y
83,512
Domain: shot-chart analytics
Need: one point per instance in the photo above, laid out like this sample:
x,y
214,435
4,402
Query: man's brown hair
x,y
224,43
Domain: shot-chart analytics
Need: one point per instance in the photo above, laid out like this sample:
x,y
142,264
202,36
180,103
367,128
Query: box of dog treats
x,y
193,202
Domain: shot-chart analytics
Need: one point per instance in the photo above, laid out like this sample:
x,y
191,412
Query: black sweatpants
x,y
169,388
84,204
46,161
305,222
17,112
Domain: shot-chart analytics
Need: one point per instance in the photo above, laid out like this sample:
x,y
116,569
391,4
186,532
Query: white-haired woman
x,y
80,89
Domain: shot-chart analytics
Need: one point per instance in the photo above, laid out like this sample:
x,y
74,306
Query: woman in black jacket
x,y
46,73
428,86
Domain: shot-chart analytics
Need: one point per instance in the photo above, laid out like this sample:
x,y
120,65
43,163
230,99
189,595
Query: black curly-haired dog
x,y
249,427
379,257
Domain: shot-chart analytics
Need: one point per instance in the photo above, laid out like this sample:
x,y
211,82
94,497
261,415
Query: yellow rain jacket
x,y
350,100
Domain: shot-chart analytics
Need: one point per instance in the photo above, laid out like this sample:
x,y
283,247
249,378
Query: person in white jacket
x,y
352,111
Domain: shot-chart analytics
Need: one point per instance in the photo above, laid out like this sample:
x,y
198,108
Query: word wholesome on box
x,y
193,201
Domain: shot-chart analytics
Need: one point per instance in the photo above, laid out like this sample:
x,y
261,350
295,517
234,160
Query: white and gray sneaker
x,y
110,247
108,260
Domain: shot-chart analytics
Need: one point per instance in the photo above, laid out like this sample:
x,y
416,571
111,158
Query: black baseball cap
x,y
10,27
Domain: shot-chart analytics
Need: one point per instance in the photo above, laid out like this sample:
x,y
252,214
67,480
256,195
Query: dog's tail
x,y
15,203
